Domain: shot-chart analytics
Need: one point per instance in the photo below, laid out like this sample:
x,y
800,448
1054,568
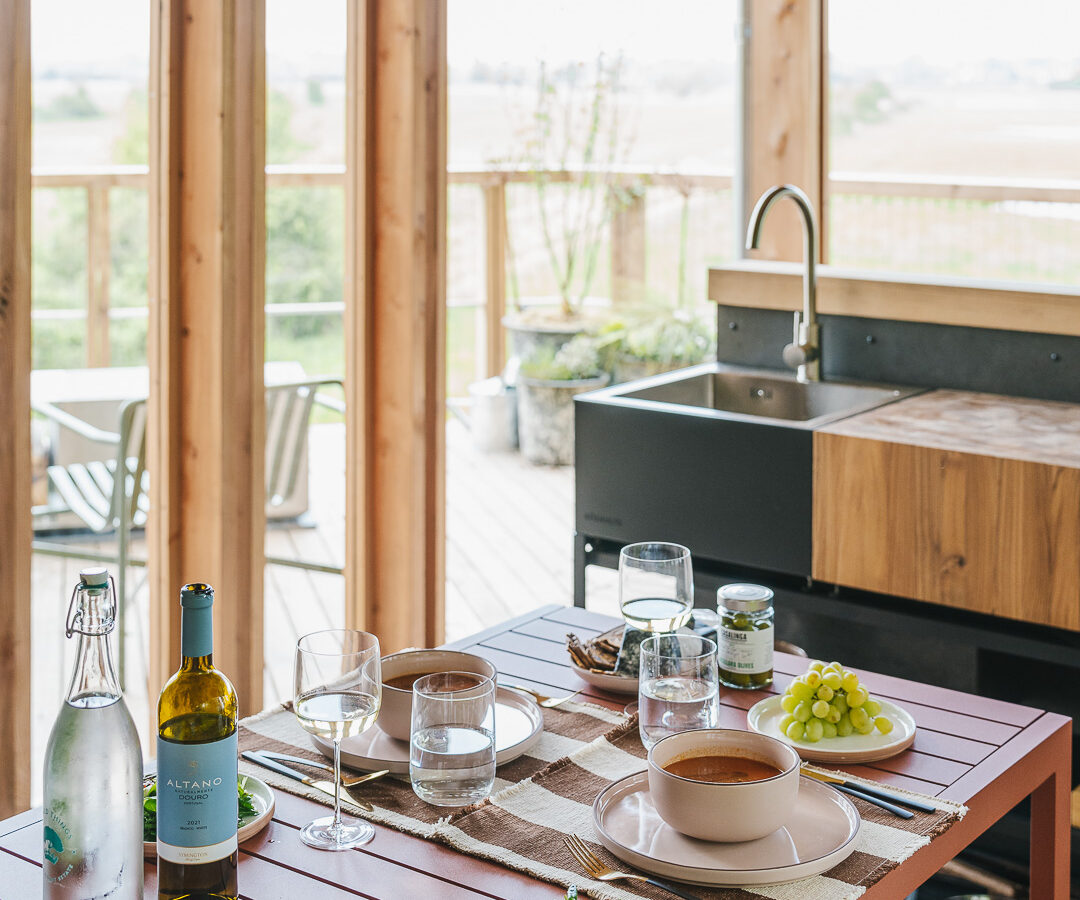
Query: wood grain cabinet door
x,y
989,534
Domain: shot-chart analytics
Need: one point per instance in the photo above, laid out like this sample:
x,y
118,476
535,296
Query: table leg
x,y
1050,825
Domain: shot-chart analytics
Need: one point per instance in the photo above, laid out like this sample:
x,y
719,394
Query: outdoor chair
x,y
90,496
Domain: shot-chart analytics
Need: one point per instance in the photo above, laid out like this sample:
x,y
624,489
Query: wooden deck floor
x,y
509,549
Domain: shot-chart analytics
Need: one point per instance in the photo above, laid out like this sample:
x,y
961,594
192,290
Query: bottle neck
x,y
197,638
93,680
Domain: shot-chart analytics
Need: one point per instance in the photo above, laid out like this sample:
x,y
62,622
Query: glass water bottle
x,y
93,818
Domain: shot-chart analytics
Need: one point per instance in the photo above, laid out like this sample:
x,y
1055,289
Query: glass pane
x,y
305,242
90,67
608,134
953,147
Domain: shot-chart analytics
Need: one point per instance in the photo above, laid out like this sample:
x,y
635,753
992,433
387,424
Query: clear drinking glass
x,y
338,690
452,738
656,586
679,686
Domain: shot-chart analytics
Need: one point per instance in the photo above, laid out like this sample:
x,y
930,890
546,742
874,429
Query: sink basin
x,y
756,395
716,457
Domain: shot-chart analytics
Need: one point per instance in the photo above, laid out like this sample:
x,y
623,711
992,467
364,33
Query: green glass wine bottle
x,y
196,751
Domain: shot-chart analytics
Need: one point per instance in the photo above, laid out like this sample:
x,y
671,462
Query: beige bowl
x,y
729,812
396,710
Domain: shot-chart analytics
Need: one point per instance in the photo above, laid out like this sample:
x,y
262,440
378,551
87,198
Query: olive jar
x,y
745,637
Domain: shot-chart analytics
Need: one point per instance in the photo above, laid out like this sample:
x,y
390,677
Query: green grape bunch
x,y
828,702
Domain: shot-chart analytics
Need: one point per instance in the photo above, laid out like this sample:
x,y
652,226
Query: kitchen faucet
x,y
804,351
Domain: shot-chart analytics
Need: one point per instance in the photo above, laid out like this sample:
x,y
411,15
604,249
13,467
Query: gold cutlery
x,y
324,785
594,868
542,700
870,795
346,780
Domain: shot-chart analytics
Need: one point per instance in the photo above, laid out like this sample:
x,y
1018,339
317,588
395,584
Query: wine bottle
x,y
196,751
93,765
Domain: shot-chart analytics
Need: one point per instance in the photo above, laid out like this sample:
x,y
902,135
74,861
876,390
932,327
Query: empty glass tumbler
x,y
679,686
452,738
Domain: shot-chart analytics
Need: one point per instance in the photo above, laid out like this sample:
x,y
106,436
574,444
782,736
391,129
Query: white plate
x,y
262,798
519,722
820,834
617,684
765,715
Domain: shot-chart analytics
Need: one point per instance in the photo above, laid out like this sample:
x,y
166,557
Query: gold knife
x,y
870,795
324,785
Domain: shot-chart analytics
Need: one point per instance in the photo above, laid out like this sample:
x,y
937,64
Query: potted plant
x,y
571,146
546,384
670,340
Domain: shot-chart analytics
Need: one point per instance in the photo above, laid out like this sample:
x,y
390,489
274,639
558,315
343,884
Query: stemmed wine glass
x,y
338,690
656,586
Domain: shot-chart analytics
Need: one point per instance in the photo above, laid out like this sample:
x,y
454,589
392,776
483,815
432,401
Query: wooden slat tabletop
x,y
975,750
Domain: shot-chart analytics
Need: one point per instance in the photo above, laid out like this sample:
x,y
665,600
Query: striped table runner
x,y
549,792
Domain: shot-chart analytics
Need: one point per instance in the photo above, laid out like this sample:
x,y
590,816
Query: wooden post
x,y
15,405
628,241
495,226
785,116
395,320
359,70
207,329
97,272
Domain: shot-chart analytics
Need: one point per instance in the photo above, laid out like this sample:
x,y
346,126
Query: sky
x,y
311,32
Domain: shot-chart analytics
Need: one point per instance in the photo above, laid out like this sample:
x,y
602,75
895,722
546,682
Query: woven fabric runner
x,y
549,792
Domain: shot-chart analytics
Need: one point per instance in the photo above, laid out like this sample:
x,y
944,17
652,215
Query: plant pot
x,y
543,326
546,417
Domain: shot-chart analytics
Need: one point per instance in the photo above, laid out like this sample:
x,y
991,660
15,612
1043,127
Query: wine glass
x,y
656,586
338,690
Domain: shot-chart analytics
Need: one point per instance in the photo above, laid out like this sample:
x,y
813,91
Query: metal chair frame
x,y
82,487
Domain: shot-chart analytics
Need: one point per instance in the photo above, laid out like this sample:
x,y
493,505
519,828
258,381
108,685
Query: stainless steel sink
x,y
757,395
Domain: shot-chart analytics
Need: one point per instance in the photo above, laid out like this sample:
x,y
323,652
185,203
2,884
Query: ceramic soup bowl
x,y
728,811
395,714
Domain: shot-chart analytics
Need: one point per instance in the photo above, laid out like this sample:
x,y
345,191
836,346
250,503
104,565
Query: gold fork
x,y
541,699
594,868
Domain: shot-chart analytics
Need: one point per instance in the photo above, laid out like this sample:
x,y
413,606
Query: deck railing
x,y
627,227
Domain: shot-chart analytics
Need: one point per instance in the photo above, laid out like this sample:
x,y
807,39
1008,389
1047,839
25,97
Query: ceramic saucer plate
x,y
765,716
262,798
519,722
820,834
616,684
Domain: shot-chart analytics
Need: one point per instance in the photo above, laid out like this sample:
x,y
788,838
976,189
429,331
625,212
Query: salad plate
x,y
821,833
764,717
262,799
519,723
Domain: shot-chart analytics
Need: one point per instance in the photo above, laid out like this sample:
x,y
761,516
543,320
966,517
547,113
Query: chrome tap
x,y
804,351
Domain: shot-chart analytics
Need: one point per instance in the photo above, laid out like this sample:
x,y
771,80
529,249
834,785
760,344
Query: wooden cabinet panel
x,y
991,534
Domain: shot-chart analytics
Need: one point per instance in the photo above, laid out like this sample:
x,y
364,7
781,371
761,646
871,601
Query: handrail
x,y
950,187
626,228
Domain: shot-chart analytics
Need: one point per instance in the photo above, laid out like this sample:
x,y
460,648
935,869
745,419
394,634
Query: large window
x,y
954,138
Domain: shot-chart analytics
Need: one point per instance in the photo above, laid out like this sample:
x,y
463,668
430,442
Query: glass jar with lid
x,y
745,636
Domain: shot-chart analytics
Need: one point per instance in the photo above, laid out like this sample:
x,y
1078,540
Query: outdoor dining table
x,y
986,754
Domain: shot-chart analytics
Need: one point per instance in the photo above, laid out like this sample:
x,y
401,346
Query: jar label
x,y
197,802
746,652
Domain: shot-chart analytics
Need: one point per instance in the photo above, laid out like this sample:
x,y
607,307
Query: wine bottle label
x,y
746,652
60,850
197,804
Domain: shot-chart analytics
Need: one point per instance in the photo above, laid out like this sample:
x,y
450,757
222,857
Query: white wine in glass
x,y
656,586
338,690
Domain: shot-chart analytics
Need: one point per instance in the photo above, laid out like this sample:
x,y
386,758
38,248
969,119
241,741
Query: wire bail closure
x,y
74,615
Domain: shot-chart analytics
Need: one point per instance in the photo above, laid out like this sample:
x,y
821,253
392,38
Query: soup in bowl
x,y
722,784
400,670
